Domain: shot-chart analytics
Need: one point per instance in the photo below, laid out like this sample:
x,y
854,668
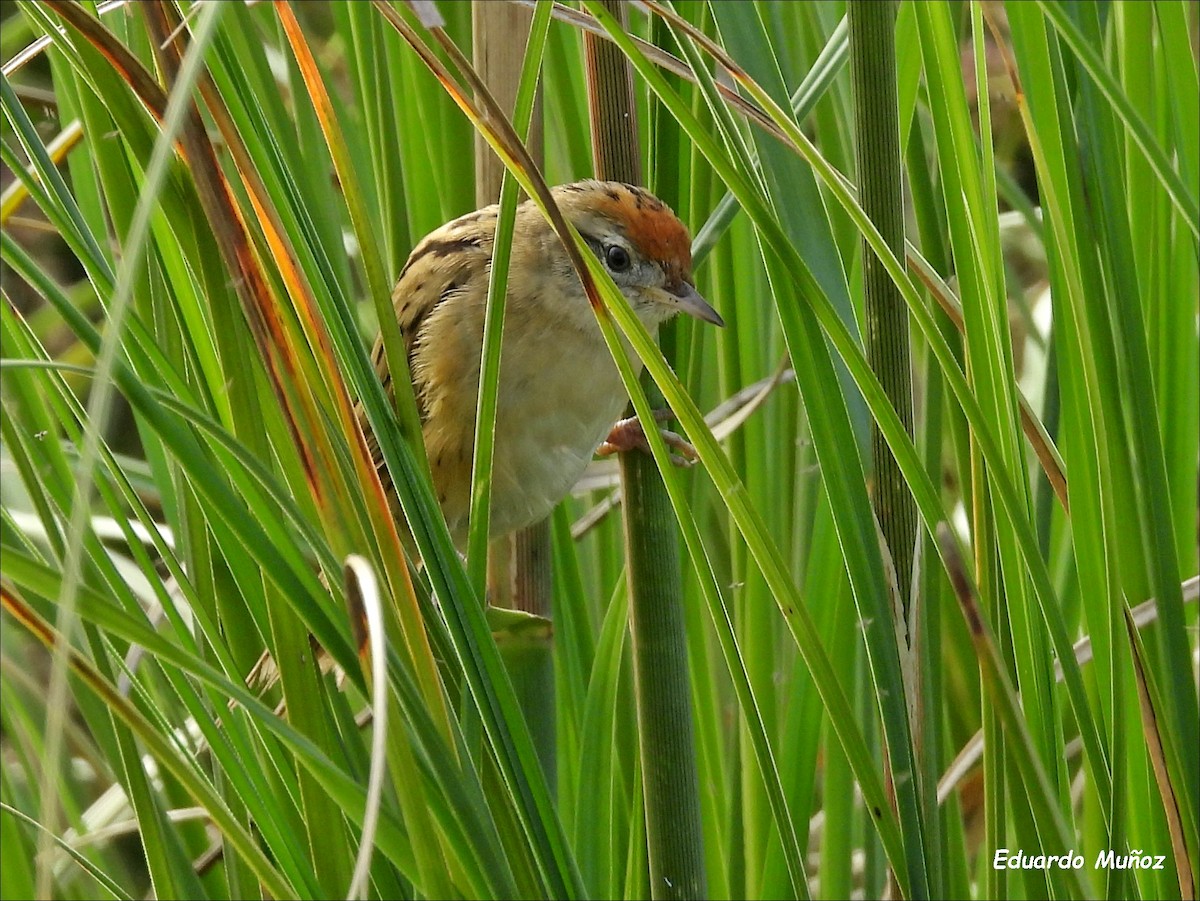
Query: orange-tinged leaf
x,y
1158,760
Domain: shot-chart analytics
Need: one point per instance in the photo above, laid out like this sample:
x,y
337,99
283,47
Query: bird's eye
x,y
617,258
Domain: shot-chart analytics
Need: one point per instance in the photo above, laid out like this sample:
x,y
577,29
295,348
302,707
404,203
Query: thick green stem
x,y
873,62
673,832
660,670
876,115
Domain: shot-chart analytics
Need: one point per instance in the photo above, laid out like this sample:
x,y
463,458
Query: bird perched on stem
x,y
560,392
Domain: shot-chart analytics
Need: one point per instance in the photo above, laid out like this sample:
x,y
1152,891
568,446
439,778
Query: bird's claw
x,y
628,435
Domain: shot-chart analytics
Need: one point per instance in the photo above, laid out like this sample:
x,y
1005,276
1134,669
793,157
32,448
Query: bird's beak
x,y
688,300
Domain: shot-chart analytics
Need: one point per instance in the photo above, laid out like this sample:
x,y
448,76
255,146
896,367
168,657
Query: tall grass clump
x,y
928,597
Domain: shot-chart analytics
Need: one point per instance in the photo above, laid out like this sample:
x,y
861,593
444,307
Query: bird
x,y
560,396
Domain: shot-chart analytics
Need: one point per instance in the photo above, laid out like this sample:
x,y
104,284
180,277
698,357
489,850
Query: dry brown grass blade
x,y
1158,760
127,65
357,612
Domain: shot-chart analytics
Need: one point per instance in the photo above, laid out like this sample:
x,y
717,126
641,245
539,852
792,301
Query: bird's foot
x,y
628,435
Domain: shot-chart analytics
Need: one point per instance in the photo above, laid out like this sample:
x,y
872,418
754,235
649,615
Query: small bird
x,y
560,395
560,392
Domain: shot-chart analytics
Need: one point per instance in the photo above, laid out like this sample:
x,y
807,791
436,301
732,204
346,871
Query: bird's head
x,y
643,246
